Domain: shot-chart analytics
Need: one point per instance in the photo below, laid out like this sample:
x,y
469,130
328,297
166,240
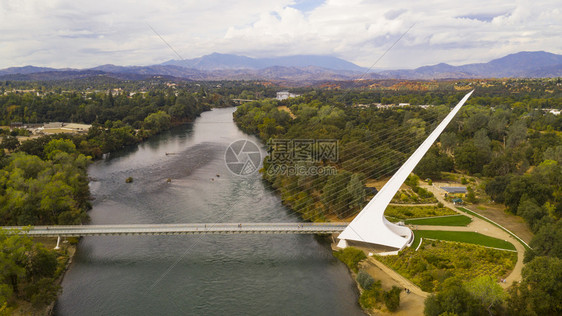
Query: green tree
x,y
517,133
546,242
433,163
13,259
470,158
453,298
540,291
531,212
10,143
157,122
335,195
553,153
56,146
356,190
489,293
448,141
43,263
471,195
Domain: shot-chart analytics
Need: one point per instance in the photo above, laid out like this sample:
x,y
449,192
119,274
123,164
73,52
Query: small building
x,y
457,201
455,190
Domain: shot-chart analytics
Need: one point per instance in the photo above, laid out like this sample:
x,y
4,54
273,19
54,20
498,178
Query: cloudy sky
x,y
75,33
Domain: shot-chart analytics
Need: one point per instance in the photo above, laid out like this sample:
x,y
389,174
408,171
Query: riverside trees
x,y
44,180
27,272
51,191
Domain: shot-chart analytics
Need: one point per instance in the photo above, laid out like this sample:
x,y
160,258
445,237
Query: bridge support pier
x,y
57,247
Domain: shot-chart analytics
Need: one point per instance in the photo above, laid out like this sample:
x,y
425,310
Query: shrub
x,y
351,257
412,181
423,193
392,298
365,280
370,298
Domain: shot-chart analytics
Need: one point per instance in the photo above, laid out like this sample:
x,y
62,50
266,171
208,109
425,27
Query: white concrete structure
x,y
370,226
284,95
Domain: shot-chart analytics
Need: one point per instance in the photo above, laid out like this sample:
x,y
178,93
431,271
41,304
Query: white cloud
x,y
64,33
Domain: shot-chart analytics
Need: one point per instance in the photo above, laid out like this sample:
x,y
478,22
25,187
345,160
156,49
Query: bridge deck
x,y
181,229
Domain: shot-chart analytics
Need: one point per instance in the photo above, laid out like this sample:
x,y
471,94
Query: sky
x,y
81,34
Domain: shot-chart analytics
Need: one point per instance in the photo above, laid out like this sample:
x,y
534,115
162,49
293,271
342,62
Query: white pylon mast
x,y
370,226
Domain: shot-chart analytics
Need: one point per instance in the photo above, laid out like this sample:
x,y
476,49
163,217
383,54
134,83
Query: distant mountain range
x,y
299,68
216,61
522,64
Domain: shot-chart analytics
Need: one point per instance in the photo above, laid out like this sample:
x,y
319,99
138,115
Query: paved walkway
x,y
179,229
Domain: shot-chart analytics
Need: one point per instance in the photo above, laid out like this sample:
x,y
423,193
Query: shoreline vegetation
x,y
44,181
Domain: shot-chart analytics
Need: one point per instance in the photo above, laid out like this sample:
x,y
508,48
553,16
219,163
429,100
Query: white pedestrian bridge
x,y
180,229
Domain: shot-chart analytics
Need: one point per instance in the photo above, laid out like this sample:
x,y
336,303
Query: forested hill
x,y
502,138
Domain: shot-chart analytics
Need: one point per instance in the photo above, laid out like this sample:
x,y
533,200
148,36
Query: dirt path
x,y
410,304
514,223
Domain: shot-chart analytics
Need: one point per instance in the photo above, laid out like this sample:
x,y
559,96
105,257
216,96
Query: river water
x,y
200,274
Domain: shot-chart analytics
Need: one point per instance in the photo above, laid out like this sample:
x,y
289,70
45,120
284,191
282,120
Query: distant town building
x,y
60,127
53,125
283,95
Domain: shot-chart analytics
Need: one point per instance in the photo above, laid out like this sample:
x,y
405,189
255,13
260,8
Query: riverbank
x,y
411,301
68,250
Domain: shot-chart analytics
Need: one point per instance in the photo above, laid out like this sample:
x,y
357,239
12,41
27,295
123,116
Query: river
x,y
201,274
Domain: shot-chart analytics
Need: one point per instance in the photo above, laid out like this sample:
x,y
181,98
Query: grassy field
x,y
437,261
453,220
464,237
407,212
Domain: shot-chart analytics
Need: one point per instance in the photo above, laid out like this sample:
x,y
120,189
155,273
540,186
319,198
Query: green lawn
x,y
466,237
454,220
